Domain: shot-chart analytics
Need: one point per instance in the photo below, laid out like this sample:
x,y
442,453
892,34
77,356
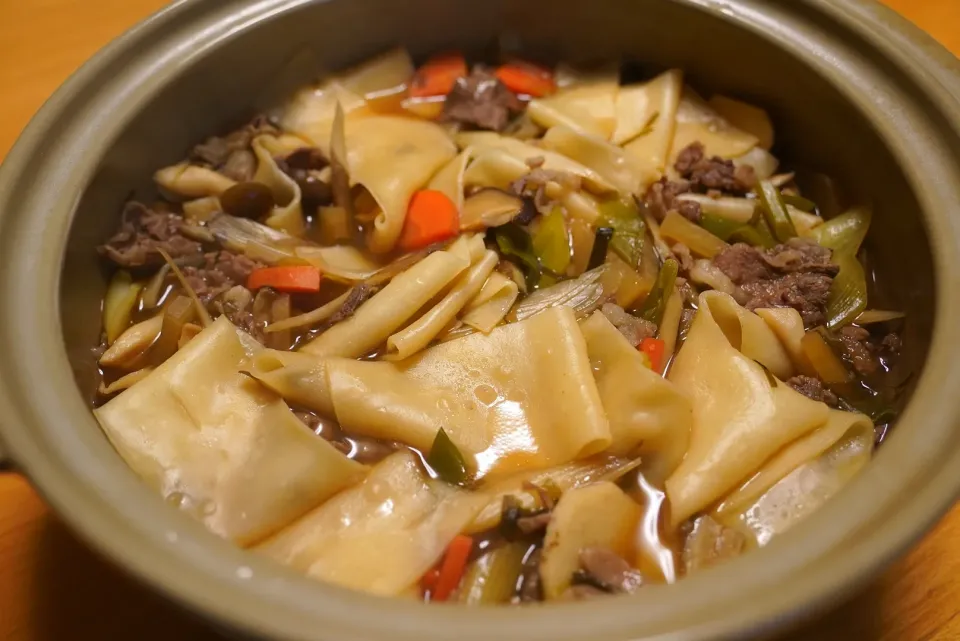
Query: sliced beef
x,y
633,329
534,524
357,297
710,543
705,174
815,389
801,255
684,257
661,198
237,305
806,293
482,101
865,351
220,272
231,154
796,274
143,232
607,570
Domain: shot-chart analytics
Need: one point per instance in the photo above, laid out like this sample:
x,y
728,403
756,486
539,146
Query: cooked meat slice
x,y
891,344
801,255
814,388
217,150
633,329
744,264
608,570
481,100
796,274
806,293
661,198
710,543
857,347
358,296
716,173
684,257
582,592
534,524
220,272
143,232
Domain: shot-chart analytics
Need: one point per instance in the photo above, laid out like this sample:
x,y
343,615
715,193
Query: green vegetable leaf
x,y
446,460
628,229
551,244
514,242
656,301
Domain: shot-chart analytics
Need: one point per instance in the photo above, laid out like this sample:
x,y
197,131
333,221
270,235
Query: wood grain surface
x,y
53,588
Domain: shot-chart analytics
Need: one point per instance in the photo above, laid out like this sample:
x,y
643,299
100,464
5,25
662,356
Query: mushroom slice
x,y
489,208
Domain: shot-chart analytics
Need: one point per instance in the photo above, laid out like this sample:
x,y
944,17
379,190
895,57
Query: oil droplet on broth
x,y
486,394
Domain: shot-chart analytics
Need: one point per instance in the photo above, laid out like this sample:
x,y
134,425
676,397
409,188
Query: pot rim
x,y
123,519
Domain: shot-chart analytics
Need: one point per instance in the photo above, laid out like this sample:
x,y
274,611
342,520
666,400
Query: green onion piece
x,y
629,229
514,242
492,578
848,293
775,211
446,460
121,297
656,301
722,228
762,227
601,242
844,235
801,203
551,243
750,235
846,232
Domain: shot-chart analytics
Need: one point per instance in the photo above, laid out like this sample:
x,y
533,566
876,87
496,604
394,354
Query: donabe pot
x,y
855,91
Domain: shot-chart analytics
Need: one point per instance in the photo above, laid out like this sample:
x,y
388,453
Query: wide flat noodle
x,y
741,417
380,536
421,332
450,179
622,170
750,334
648,415
344,263
492,304
588,104
483,141
647,119
390,308
393,157
218,445
192,181
287,213
599,515
841,425
522,397
311,111
804,490
697,122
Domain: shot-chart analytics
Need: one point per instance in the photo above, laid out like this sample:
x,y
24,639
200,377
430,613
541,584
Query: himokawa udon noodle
x,y
494,334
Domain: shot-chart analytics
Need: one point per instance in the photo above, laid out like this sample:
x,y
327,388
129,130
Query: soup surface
x,y
495,333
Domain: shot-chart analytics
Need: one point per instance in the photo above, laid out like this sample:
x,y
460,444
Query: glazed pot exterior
x,y
854,90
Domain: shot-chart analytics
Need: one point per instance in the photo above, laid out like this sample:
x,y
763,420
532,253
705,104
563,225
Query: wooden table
x,y
52,587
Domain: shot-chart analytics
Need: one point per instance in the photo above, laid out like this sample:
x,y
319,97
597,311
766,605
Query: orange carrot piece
x,y
293,279
431,217
653,348
527,78
453,566
438,75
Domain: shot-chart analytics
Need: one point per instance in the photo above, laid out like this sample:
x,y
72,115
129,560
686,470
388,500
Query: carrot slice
x,y
293,279
527,78
431,217
438,75
453,566
653,348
